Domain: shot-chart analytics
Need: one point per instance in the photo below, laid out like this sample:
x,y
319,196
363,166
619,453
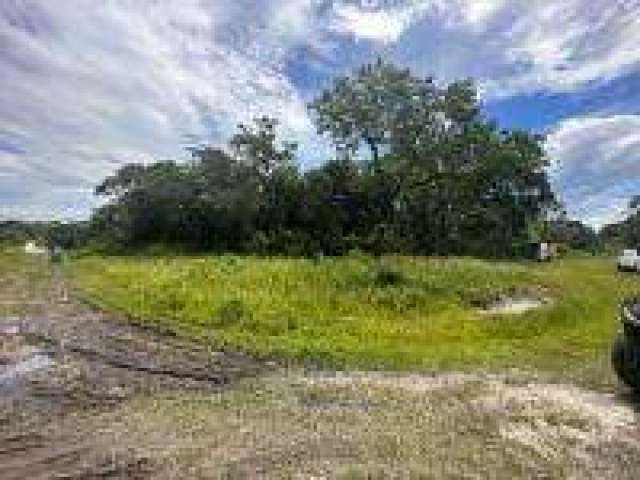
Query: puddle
x,y
19,326
10,326
514,306
35,362
9,329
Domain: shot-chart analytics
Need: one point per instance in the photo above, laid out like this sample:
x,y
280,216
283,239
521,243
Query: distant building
x,y
543,251
32,248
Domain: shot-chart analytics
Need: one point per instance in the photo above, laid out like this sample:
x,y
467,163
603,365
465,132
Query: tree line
x,y
626,232
418,169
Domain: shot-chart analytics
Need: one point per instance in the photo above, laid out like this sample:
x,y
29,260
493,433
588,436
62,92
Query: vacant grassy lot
x,y
303,423
394,312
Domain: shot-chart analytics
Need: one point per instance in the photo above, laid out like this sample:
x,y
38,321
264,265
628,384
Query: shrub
x,y
388,277
232,313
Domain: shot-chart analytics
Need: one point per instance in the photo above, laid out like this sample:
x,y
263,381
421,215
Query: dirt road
x,y
83,395
62,359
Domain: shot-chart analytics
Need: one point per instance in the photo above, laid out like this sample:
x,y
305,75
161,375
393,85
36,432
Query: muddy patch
x,y
561,429
514,305
63,367
513,301
294,424
19,359
11,373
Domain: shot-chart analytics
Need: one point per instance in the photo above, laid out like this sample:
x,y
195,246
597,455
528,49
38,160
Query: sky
x,y
89,85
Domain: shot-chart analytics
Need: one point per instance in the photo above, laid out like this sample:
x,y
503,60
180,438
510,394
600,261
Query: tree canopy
x,y
437,178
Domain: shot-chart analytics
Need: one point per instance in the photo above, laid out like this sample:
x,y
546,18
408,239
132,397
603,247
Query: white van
x,y
629,261
31,248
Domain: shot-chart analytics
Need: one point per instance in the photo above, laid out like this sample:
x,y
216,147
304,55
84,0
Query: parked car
x,y
543,251
625,354
32,248
629,260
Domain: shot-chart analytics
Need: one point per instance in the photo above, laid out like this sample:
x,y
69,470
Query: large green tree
x,y
378,107
271,164
444,176
439,178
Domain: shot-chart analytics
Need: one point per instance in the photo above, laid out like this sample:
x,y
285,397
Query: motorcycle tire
x,y
625,363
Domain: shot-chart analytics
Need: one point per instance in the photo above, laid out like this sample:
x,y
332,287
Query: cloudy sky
x,y
88,85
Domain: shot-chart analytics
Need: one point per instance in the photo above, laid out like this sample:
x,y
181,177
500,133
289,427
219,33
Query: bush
x,y
232,313
388,277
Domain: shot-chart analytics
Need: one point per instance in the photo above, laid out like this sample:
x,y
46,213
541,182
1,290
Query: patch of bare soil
x,y
62,362
293,424
514,302
514,306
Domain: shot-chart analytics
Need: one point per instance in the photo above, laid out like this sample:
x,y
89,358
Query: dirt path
x,y
83,395
62,359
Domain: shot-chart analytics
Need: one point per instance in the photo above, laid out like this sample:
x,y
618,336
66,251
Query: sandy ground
x,y
60,361
83,395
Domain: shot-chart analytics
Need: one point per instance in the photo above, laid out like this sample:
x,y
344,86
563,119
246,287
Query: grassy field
x,y
394,312
397,313
23,280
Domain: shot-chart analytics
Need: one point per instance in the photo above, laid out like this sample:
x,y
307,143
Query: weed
x,y
388,277
394,312
231,313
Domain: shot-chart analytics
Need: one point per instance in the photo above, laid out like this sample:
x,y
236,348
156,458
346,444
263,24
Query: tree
x,y
440,179
627,232
228,192
332,204
440,170
380,103
256,146
272,165
573,233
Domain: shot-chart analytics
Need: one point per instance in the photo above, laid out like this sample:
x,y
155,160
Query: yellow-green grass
x,y
23,280
394,312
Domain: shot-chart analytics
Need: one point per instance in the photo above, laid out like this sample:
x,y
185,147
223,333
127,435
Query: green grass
x,y
23,280
395,312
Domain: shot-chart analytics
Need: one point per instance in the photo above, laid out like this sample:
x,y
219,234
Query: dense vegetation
x,y
16,231
418,170
392,312
626,233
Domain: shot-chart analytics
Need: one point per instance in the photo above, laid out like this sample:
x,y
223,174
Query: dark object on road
x,y
626,348
56,254
629,260
542,251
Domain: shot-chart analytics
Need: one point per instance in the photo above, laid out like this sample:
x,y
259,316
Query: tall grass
x,y
394,312
23,280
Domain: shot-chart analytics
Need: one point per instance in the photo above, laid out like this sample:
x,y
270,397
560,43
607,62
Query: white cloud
x,y
86,86
560,46
598,165
377,24
63,204
511,46
386,21
478,13
89,87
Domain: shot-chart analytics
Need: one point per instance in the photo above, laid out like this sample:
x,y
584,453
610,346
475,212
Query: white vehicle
x,y
542,251
32,248
629,260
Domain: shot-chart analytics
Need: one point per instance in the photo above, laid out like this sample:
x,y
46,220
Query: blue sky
x,y
88,85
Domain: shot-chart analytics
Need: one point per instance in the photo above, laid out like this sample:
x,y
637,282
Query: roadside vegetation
x,y
359,311
393,312
23,280
371,259
418,169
